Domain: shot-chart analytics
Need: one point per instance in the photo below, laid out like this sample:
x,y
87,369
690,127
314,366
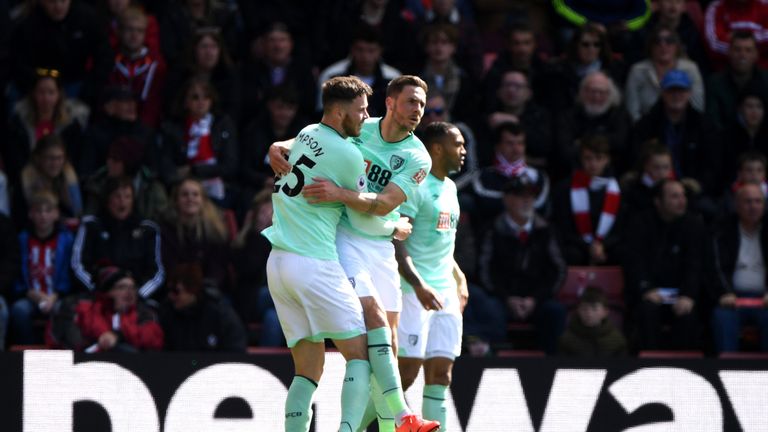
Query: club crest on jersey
x,y
361,183
420,176
396,162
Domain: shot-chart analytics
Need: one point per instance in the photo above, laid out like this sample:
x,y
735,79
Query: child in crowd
x,y
590,333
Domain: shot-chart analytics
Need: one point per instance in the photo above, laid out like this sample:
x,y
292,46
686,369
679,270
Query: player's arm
x,y
378,204
278,156
377,226
461,285
427,295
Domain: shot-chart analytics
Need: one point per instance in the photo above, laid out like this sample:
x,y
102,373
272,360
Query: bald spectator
x,y
598,110
664,267
741,248
741,72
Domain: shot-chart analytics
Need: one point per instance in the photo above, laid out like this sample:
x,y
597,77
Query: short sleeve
x,y
414,173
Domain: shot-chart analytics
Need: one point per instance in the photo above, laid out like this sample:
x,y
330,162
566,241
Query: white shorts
x,y
313,298
372,268
427,334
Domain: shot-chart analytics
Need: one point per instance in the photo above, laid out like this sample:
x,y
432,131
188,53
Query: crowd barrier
x,y
62,391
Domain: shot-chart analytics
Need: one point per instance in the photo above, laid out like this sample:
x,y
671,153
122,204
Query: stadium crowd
x,y
135,173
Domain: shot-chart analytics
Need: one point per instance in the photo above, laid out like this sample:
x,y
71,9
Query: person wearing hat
x,y
199,319
690,136
119,118
115,319
125,157
521,269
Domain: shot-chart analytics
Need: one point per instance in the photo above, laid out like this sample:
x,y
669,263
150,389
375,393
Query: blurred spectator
x,y
590,333
124,159
521,55
49,169
45,110
469,50
690,136
114,9
637,186
598,111
46,250
9,269
665,262
207,59
5,195
280,122
665,53
435,110
741,73
138,67
442,74
509,162
751,168
587,52
119,236
514,103
741,246
197,319
726,17
194,232
277,67
117,319
674,14
65,36
119,118
366,63
201,142
748,132
521,266
585,208
249,256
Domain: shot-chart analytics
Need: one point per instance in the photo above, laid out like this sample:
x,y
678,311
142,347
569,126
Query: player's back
x,y
310,229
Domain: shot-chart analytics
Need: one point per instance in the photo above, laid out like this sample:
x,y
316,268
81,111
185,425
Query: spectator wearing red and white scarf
x,y
509,162
585,208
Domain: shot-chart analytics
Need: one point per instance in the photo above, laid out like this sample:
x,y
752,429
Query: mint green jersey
x,y
310,229
435,213
405,163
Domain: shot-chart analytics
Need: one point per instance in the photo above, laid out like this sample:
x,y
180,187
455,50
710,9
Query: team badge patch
x,y
396,162
352,281
361,183
413,339
420,176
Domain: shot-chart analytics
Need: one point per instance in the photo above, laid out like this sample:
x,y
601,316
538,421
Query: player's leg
x,y
308,360
412,332
409,370
356,387
393,319
437,380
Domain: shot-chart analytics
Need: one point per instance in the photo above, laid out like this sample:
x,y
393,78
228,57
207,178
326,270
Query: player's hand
x,y
428,297
653,296
321,191
403,229
278,159
683,305
728,300
463,296
107,340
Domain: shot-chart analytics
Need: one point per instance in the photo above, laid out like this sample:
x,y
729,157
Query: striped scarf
x,y
581,184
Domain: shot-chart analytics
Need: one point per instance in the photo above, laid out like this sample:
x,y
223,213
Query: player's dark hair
x,y
511,128
435,132
751,156
344,89
398,84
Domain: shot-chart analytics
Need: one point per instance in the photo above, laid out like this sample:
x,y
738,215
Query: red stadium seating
x,y
670,354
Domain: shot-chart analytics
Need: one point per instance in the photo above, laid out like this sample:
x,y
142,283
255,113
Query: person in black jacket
x,y
664,267
521,265
118,236
741,248
197,319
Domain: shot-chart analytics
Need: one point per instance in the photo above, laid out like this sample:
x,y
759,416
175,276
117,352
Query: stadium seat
x,y
670,354
610,279
268,350
520,353
744,355
18,348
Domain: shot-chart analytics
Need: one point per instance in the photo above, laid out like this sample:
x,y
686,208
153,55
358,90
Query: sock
x,y
354,394
433,404
384,367
370,413
384,416
298,404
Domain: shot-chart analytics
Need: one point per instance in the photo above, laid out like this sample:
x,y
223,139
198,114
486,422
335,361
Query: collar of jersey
x,y
390,142
337,132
